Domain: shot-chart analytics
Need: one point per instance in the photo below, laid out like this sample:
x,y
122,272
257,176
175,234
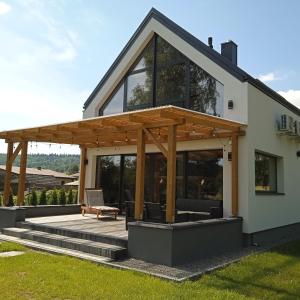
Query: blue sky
x,y
53,53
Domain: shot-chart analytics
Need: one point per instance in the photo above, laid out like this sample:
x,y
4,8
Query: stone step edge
x,y
109,239
54,249
52,236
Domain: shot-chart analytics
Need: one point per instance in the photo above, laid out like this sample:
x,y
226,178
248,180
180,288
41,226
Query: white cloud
x,y
292,96
4,8
271,76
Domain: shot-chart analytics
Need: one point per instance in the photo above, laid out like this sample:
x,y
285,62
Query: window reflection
x,y
116,103
139,90
206,93
171,85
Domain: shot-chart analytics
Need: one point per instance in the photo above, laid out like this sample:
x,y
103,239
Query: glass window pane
x,y
205,175
108,177
171,85
115,105
206,93
166,53
146,59
129,175
265,173
139,87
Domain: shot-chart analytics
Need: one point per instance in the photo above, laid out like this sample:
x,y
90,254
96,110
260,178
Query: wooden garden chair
x,y
95,204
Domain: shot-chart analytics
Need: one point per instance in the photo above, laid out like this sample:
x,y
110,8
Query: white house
x,y
164,64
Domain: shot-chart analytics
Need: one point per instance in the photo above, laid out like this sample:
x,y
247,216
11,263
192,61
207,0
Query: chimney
x,y
210,42
229,50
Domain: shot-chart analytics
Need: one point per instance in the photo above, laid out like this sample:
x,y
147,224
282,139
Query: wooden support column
x,y
83,162
140,175
234,175
10,150
171,175
22,175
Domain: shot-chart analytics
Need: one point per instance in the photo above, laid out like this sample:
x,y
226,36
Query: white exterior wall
x,y
233,90
269,211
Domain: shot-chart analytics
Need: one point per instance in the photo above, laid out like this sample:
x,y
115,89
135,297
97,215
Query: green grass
x,y
34,275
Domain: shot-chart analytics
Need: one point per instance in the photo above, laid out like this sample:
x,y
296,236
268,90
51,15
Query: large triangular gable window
x,y
162,75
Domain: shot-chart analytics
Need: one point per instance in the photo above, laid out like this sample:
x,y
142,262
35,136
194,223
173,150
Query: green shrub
x,y
62,197
54,197
1,200
43,198
70,197
11,200
76,197
33,198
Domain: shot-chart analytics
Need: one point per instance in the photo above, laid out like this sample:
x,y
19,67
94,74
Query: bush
x,y
11,200
43,198
62,197
33,198
76,197
54,197
70,197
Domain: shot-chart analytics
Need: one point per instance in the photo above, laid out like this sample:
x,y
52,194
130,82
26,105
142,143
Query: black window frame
x,y
155,67
276,172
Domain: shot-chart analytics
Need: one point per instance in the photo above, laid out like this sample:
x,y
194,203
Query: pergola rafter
x,y
161,126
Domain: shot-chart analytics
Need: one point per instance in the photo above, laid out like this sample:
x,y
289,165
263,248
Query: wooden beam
x,y
234,175
22,174
140,176
16,152
83,161
171,175
157,143
10,149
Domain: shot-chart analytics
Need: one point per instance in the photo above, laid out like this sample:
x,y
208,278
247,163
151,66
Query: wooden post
x,y
10,150
22,175
234,175
171,175
140,175
83,162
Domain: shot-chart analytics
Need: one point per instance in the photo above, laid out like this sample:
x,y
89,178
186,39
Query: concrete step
x,y
102,238
82,245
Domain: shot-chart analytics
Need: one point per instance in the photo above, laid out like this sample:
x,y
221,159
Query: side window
x,y
265,173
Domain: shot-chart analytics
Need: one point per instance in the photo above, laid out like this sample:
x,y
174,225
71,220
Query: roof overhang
x,y
122,129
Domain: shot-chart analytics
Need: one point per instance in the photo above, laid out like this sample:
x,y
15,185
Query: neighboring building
x,y
163,64
36,177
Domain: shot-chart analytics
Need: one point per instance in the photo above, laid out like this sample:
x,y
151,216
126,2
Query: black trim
x,y
262,193
212,54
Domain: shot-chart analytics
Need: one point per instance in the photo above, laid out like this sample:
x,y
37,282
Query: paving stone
x,y
11,253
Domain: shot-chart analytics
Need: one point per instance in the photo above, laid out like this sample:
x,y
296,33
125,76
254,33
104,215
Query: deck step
x,y
102,238
83,245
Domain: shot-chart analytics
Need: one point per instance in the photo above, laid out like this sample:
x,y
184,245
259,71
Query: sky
x,y
54,52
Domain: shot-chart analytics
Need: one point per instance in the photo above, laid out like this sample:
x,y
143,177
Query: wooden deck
x,y
88,223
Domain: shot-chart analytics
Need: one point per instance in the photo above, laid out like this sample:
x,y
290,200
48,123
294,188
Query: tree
x,y
54,197
33,198
43,198
70,197
62,197
76,197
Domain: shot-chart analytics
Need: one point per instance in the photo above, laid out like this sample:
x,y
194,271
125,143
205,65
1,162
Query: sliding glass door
x,y
199,175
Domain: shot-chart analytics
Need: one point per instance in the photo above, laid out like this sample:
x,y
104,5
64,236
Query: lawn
x,y
34,275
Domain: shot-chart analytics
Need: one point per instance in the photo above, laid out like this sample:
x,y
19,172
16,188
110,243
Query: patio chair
x,y
95,204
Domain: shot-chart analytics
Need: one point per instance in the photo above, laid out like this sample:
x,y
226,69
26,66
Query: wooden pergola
x,y
161,126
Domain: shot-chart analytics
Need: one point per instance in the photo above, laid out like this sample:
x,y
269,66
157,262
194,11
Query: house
x,y
36,177
175,123
193,75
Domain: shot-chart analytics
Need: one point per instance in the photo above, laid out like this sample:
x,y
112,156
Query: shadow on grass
x,y
273,274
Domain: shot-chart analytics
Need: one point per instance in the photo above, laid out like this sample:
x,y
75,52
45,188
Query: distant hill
x,y
65,163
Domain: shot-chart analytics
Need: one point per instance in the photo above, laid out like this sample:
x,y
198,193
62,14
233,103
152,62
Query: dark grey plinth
x,y
51,210
174,244
10,215
274,235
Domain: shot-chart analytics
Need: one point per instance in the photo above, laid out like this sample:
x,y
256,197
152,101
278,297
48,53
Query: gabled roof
x,y
37,171
212,54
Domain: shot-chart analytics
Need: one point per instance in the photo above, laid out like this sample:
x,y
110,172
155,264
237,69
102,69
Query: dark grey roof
x,y
212,54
